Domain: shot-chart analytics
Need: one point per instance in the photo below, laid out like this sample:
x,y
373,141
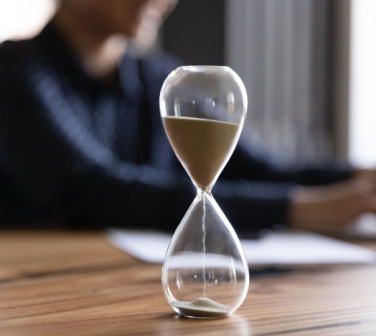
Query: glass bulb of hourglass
x,y
203,110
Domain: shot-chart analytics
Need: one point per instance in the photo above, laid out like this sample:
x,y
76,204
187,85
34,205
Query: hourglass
x,y
203,108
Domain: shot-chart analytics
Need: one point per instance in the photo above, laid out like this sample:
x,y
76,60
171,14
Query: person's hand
x,y
332,208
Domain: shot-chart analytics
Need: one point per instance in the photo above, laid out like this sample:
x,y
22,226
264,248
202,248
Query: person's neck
x,y
99,52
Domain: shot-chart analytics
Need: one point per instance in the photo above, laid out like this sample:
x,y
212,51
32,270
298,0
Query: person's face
x,y
125,17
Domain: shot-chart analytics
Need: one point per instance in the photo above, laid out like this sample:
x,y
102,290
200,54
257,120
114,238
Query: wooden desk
x,y
77,284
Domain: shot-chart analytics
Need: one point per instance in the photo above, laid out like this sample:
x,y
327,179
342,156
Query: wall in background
x,y
280,48
340,69
195,32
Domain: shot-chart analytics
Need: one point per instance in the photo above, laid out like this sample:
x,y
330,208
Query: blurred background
x,y
308,65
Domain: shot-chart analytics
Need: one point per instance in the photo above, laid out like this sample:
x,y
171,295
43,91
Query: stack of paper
x,y
284,248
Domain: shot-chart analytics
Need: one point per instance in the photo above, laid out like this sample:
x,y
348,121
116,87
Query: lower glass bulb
x,y
205,274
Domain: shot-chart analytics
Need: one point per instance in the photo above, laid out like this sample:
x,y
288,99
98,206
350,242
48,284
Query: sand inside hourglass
x,y
202,307
203,146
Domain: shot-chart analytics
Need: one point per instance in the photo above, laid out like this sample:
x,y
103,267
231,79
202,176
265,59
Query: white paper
x,y
304,248
364,227
283,248
148,246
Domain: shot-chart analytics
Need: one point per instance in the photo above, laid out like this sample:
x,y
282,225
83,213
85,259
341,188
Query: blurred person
x,y
82,142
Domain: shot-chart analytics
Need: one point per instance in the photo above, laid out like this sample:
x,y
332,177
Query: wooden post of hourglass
x,y
203,109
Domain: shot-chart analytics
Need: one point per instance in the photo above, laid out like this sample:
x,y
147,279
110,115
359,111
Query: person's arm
x,y
251,161
252,206
326,196
326,207
331,208
57,167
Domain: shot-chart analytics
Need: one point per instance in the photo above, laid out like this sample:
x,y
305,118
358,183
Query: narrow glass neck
x,y
203,193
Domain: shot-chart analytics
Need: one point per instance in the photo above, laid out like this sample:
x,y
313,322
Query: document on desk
x,y
281,248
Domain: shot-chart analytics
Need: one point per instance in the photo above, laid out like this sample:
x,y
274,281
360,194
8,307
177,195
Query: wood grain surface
x,y
72,283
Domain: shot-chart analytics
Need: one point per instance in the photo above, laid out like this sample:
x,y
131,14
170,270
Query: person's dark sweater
x,y
84,153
